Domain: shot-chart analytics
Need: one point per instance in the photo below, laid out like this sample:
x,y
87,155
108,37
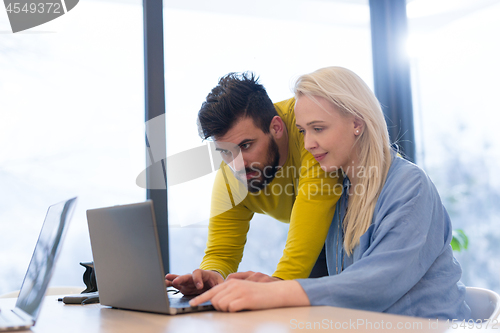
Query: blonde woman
x,y
388,246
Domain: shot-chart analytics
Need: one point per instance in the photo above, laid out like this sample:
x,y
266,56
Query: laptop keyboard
x,y
183,302
9,319
179,302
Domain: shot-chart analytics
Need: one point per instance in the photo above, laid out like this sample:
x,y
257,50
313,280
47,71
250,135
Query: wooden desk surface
x,y
57,317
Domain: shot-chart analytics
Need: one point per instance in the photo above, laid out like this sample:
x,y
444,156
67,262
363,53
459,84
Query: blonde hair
x,y
350,95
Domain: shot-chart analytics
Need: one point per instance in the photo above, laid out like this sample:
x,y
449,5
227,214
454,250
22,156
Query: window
x,y
72,93
455,69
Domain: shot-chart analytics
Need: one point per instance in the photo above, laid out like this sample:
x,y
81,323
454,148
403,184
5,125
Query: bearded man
x,y
266,170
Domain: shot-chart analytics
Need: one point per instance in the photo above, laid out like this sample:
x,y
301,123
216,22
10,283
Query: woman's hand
x,y
236,295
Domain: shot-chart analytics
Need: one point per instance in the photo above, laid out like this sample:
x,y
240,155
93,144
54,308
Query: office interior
x,y
74,96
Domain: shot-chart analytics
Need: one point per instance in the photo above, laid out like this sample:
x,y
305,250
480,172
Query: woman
x,y
388,246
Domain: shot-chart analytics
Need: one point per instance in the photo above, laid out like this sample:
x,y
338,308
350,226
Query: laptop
x,y
128,263
40,269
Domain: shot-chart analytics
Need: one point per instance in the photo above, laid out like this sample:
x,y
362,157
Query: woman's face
x,y
328,135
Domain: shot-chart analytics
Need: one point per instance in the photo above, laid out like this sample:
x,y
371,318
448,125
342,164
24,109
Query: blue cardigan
x,y
404,263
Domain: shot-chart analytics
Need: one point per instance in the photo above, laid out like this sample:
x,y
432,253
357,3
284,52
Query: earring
x,y
357,131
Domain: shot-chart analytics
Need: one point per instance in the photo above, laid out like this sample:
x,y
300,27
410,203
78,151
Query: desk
x,y
57,317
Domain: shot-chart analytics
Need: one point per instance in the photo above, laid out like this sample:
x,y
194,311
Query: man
x,y
264,153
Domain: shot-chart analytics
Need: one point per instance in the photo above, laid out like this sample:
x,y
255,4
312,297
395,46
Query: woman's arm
x,y
236,295
408,239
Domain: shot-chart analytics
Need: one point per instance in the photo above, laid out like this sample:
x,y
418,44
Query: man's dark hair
x,y
236,95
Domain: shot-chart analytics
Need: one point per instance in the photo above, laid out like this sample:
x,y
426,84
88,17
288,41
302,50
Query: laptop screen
x,y
42,262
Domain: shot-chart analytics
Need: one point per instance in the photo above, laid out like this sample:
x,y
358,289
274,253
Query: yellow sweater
x,y
301,194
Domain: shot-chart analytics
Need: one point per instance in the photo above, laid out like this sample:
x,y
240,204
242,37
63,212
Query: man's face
x,y
259,159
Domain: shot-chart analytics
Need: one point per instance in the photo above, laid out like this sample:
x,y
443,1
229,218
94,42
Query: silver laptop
x,y
128,263
40,269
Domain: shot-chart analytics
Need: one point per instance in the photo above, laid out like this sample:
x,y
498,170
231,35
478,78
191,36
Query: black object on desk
x,y
89,277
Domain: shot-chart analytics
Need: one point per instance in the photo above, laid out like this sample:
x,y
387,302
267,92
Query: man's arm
x,y
196,283
228,225
310,220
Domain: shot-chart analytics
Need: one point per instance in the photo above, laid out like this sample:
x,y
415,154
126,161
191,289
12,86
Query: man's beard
x,y
265,174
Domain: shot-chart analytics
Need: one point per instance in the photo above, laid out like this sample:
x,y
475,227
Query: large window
x,y
72,105
277,41
454,52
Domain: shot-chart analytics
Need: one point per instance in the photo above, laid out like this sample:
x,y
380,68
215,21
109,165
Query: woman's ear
x,y
277,127
359,126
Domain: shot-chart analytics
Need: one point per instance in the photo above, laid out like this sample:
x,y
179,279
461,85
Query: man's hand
x,y
252,276
236,295
196,283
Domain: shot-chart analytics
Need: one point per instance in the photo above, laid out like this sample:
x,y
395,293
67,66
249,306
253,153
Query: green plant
x,y
460,241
